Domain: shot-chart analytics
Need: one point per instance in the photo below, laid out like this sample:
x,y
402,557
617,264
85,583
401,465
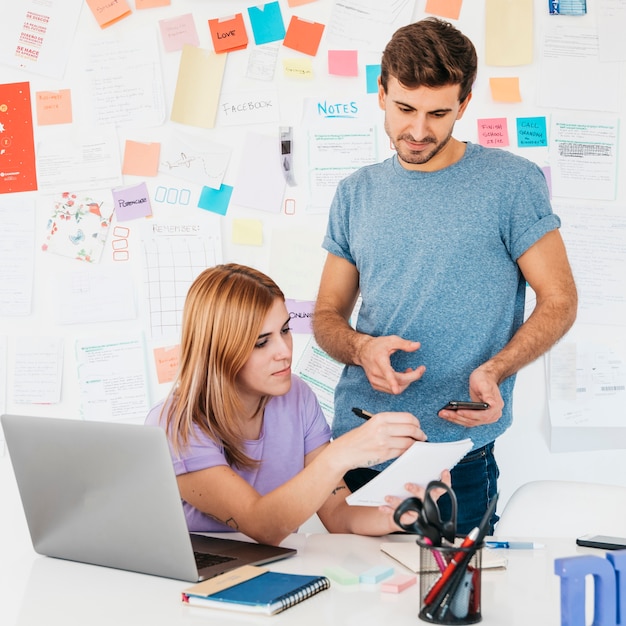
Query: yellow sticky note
x,y
198,87
248,232
54,107
298,68
505,89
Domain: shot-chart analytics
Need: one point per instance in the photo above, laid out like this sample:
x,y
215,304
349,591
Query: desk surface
x,y
38,590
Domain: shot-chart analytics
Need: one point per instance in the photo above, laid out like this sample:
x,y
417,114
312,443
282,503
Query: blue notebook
x,y
255,590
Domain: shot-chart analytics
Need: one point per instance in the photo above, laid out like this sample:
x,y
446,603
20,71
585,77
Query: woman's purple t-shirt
x,y
293,426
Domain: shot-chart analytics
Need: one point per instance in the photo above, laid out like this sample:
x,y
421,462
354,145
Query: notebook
x,y
105,493
253,589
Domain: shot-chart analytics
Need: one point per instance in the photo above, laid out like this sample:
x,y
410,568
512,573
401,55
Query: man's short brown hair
x,y
430,53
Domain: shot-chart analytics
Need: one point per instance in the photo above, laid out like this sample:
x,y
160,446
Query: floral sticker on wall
x,y
79,225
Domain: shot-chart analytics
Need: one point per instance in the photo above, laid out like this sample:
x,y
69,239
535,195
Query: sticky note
x,y
178,31
374,575
228,33
151,4
505,89
450,9
141,159
531,132
372,72
166,363
298,68
54,107
215,200
267,23
398,583
107,12
303,36
493,132
343,62
247,232
341,575
132,202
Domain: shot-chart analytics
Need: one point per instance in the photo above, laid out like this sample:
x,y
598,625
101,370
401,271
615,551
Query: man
x,y
440,240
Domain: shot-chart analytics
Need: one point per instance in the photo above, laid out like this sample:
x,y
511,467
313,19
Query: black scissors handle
x,y
415,505
432,513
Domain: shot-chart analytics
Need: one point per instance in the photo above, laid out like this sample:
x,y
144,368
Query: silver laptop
x,y
105,493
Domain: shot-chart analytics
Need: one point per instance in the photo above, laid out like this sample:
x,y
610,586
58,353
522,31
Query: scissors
x,y
429,523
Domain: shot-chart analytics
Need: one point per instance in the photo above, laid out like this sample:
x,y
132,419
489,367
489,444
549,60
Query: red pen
x,y
441,581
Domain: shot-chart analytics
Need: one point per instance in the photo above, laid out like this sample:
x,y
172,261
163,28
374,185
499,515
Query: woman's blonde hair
x,y
223,314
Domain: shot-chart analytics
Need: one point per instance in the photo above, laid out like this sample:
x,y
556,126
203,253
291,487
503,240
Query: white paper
x,y
570,53
17,256
611,22
38,370
123,80
321,373
260,182
421,463
194,159
583,153
78,158
95,295
36,36
113,379
248,107
366,24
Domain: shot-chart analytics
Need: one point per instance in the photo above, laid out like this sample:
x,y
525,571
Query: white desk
x,y
36,590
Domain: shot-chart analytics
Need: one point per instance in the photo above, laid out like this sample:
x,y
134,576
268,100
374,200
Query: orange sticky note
x,y
505,89
108,12
151,4
450,9
54,107
228,33
303,36
141,159
297,3
166,363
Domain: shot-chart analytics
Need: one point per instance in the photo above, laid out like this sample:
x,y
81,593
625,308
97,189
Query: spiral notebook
x,y
254,589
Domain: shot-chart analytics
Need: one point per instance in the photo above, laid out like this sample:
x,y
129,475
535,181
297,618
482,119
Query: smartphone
x,y
602,541
455,405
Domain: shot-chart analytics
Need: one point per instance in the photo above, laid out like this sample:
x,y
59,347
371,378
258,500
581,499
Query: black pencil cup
x,y
450,584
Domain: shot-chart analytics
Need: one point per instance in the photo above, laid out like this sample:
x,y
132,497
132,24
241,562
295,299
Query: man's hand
x,y
374,356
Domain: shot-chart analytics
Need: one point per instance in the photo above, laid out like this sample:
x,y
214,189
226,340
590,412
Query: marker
x,y
362,414
514,545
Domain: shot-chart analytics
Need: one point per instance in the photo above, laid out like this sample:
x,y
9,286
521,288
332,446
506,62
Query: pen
x,y
454,561
514,545
362,414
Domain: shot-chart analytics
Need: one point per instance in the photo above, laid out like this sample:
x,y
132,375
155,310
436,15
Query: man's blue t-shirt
x,y
436,254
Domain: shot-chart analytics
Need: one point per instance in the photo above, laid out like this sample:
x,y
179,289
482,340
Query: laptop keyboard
x,y
205,559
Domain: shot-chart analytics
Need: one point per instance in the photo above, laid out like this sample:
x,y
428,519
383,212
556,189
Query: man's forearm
x,y
337,338
546,325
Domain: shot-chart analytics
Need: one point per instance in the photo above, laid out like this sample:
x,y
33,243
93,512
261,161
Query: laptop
x,y
105,493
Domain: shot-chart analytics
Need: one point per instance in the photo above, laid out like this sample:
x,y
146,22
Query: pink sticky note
x,y
444,8
178,31
343,62
398,583
493,132
166,363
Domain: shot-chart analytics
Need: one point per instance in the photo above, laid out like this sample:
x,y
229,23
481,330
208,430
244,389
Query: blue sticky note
x,y
372,72
267,23
531,132
215,200
375,574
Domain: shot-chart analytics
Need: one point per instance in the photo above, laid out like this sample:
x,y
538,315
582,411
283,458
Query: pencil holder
x,y
450,582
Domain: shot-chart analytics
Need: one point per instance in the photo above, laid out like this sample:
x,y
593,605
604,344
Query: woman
x,y
250,444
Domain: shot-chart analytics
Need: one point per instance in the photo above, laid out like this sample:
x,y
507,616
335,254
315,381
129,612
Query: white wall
x,y
524,452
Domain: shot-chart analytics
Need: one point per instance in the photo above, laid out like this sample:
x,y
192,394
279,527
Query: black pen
x,y
362,414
